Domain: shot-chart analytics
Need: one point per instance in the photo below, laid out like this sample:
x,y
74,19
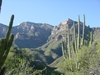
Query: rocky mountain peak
x,y
68,21
62,26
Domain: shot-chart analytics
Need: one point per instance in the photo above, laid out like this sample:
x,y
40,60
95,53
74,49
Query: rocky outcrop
x,y
95,71
59,37
62,26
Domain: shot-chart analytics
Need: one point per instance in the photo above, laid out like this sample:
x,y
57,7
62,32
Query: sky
x,y
50,11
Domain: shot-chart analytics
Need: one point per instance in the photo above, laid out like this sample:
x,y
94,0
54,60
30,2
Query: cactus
x,y
74,43
78,39
6,43
91,38
66,46
83,35
69,51
88,41
64,50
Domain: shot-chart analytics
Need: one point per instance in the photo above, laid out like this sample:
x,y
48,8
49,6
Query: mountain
x,y
3,29
33,35
45,38
28,34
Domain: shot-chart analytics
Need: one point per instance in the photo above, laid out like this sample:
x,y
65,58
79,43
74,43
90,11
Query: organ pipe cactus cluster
x,y
66,46
78,41
6,43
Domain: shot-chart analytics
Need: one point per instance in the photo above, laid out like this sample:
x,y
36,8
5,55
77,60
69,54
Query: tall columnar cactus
x,y
83,35
74,41
88,41
78,39
66,50
6,43
91,38
69,49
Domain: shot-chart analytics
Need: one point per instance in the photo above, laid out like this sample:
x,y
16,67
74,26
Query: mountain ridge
x,y
39,31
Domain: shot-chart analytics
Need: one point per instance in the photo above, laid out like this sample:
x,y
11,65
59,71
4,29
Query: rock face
x,y
59,37
32,34
96,71
62,26
68,21
3,29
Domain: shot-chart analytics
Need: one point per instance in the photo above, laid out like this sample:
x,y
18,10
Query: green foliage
x,y
19,63
85,60
23,63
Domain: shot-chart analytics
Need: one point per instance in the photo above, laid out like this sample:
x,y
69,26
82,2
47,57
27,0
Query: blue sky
x,y
50,11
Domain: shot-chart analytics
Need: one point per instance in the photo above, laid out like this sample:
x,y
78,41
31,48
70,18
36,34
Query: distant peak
x,y
68,21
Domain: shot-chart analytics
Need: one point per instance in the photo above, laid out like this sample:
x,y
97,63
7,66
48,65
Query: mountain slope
x,y
28,34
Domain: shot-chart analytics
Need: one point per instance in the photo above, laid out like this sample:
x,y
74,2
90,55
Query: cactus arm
x,y
2,47
88,36
10,42
78,41
10,27
91,37
83,35
74,43
63,50
69,52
